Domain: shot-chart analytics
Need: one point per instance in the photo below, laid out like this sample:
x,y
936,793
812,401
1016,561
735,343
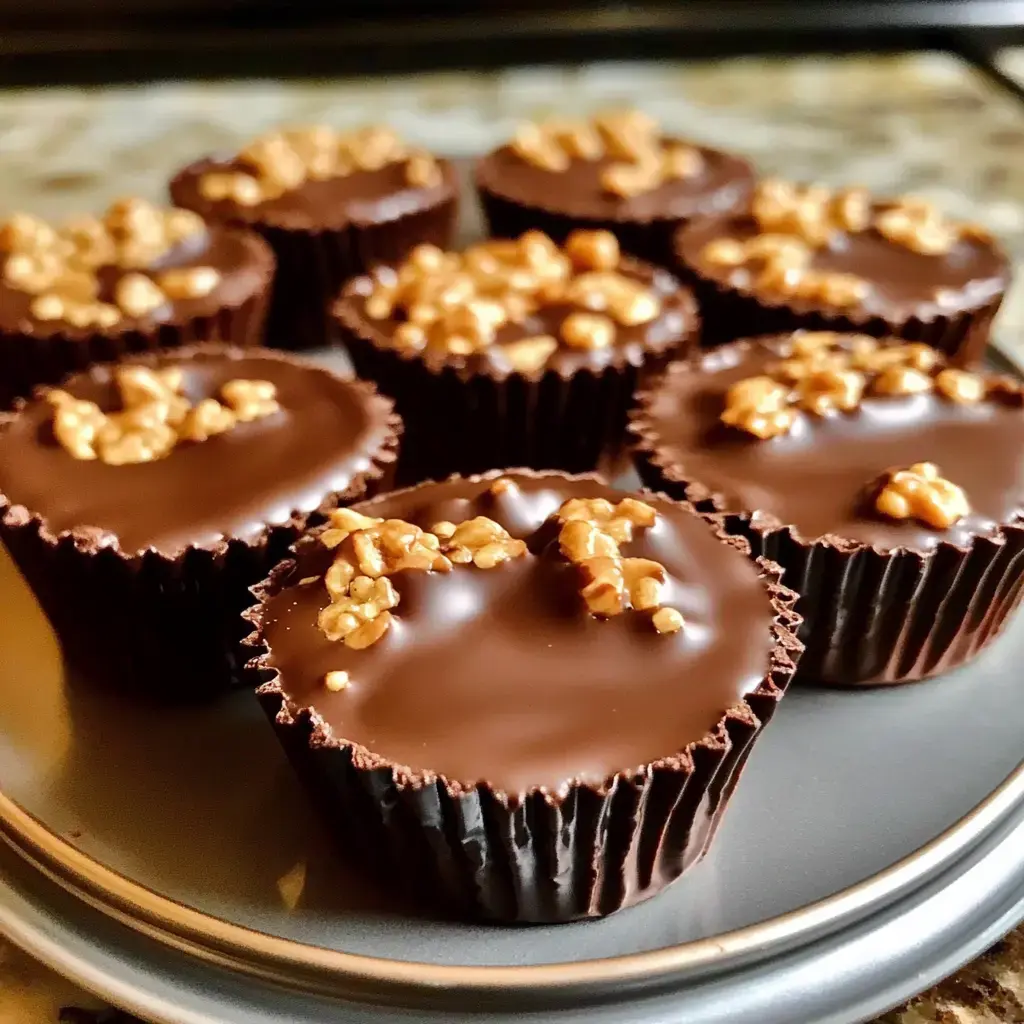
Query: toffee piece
x,y
820,259
887,484
514,351
614,172
138,278
142,499
523,647
331,204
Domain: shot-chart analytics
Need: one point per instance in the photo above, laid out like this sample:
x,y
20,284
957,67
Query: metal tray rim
x,y
97,953
273,957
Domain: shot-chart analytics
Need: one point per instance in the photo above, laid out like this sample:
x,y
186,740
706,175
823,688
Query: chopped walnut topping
x,y
647,159
154,418
460,303
530,354
250,399
503,485
921,493
785,266
371,550
917,225
825,390
901,380
667,620
960,386
592,532
483,542
138,295
760,406
825,372
189,282
423,171
812,215
593,250
336,681
59,266
588,331
283,161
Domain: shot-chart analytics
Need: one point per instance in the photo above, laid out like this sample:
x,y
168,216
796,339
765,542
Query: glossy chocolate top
x,y
502,675
363,197
901,282
821,477
243,260
724,183
233,485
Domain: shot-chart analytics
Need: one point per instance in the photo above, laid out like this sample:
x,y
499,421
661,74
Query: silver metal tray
x,y
873,845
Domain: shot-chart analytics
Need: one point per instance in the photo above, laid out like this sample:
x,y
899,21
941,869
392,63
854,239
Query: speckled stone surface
x,y
926,124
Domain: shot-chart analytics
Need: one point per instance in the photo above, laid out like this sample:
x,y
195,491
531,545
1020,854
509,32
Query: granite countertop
x,y
927,124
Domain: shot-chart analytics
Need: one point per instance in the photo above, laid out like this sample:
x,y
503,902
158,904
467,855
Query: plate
x,y
187,825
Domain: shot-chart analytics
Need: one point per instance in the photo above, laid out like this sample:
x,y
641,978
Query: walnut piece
x,y
760,406
921,493
591,535
901,380
960,386
529,354
189,282
154,418
483,542
587,331
336,681
824,390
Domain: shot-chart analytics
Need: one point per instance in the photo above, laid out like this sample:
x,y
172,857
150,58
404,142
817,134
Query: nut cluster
x,y
784,263
155,416
59,266
283,161
370,550
921,493
918,225
794,220
644,160
592,533
826,373
457,303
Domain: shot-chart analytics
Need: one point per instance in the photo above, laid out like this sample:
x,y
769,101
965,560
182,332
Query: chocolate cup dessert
x,y
887,595
144,567
499,746
872,275
371,202
502,377
139,279
521,186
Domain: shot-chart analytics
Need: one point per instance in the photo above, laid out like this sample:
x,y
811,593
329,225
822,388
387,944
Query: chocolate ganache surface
x,y
361,197
821,476
901,282
232,485
502,675
722,183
